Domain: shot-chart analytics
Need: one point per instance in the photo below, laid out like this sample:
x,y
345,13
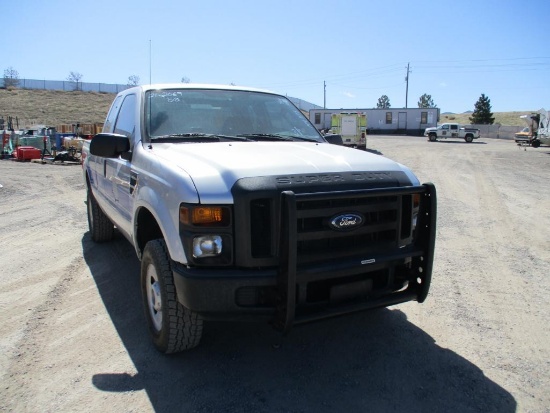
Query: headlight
x,y
206,233
207,246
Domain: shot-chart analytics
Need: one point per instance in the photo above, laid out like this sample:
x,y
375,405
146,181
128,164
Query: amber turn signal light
x,y
204,215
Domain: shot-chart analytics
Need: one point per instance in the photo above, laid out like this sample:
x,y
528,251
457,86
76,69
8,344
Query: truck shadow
x,y
460,142
374,151
375,361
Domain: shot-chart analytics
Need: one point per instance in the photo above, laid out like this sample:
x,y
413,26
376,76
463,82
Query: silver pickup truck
x,y
238,209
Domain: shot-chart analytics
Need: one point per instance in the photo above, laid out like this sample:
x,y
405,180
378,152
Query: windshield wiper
x,y
196,137
275,137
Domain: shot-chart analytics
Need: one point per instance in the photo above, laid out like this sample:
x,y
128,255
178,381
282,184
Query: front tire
x,y
100,226
535,143
173,327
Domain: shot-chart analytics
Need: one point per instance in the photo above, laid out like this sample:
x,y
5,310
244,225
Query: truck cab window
x,y
125,120
111,117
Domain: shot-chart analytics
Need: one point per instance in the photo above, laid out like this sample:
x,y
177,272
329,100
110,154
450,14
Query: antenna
x,y
150,62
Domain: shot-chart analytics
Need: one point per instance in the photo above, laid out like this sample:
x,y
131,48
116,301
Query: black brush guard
x,y
421,251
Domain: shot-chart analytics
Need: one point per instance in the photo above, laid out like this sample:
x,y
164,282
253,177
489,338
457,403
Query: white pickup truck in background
x,y
451,130
238,209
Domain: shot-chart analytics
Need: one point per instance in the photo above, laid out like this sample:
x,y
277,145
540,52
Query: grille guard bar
x,y
422,265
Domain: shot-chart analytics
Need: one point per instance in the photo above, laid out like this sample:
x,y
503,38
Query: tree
x,y
185,79
75,77
383,102
482,113
11,77
133,80
426,101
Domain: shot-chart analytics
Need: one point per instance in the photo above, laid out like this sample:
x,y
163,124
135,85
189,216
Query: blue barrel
x,y
58,141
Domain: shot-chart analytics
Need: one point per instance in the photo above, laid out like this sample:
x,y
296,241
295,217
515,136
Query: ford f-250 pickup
x,y
239,209
451,130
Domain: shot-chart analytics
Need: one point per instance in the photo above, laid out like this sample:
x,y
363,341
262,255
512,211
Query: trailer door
x,y
402,120
327,121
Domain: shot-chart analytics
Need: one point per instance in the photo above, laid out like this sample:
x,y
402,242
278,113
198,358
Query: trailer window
x,y
317,118
424,117
388,118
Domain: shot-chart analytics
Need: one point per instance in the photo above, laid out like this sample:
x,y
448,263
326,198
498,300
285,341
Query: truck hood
x,y
215,167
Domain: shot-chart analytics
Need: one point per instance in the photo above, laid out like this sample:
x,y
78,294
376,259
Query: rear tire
x,y
433,137
535,143
100,226
173,327
469,138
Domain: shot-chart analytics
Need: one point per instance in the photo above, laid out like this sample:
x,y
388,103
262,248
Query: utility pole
x,y
150,58
407,90
324,94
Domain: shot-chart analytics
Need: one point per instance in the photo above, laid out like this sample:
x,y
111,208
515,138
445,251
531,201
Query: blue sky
x,y
360,48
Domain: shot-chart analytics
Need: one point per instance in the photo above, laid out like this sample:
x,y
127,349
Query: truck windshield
x,y
180,113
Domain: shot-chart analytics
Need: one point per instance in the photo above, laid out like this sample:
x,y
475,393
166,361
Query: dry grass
x,y
504,118
51,107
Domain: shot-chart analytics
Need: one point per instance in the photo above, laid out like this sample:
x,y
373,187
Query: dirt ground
x,y
73,336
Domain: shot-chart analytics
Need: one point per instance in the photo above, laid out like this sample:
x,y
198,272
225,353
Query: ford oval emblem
x,y
346,222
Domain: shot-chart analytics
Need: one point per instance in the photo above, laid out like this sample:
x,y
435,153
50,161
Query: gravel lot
x,y
73,336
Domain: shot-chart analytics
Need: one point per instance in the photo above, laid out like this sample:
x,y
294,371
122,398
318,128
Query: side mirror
x,y
334,139
109,145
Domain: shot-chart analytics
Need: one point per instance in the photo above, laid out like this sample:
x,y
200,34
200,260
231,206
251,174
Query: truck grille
x,y
385,214
386,224
317,241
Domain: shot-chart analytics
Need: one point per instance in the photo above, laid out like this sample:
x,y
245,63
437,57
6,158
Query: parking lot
x,y
73,336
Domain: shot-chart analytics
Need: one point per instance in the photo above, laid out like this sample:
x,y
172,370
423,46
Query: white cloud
x,y
443,84
349,94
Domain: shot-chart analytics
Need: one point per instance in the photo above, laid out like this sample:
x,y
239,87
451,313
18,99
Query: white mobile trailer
x,y
410,121
539,128
544,128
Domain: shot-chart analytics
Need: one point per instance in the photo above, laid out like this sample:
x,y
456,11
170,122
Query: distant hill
x,y
504,118
51,107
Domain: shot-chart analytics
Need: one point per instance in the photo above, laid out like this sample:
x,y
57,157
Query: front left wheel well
x,y
147,229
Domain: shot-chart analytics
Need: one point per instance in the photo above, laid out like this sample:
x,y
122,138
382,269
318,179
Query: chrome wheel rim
x,y
154,299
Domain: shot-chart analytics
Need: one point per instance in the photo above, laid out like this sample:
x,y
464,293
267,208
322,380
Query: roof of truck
x,y
160,86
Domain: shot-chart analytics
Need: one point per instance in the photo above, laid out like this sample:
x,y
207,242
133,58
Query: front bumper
x,y
295,293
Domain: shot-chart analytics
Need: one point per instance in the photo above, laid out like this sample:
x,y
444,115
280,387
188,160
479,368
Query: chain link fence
x,y
65,85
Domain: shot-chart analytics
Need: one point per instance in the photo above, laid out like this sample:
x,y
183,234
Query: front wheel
x,y
535,143
173,327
